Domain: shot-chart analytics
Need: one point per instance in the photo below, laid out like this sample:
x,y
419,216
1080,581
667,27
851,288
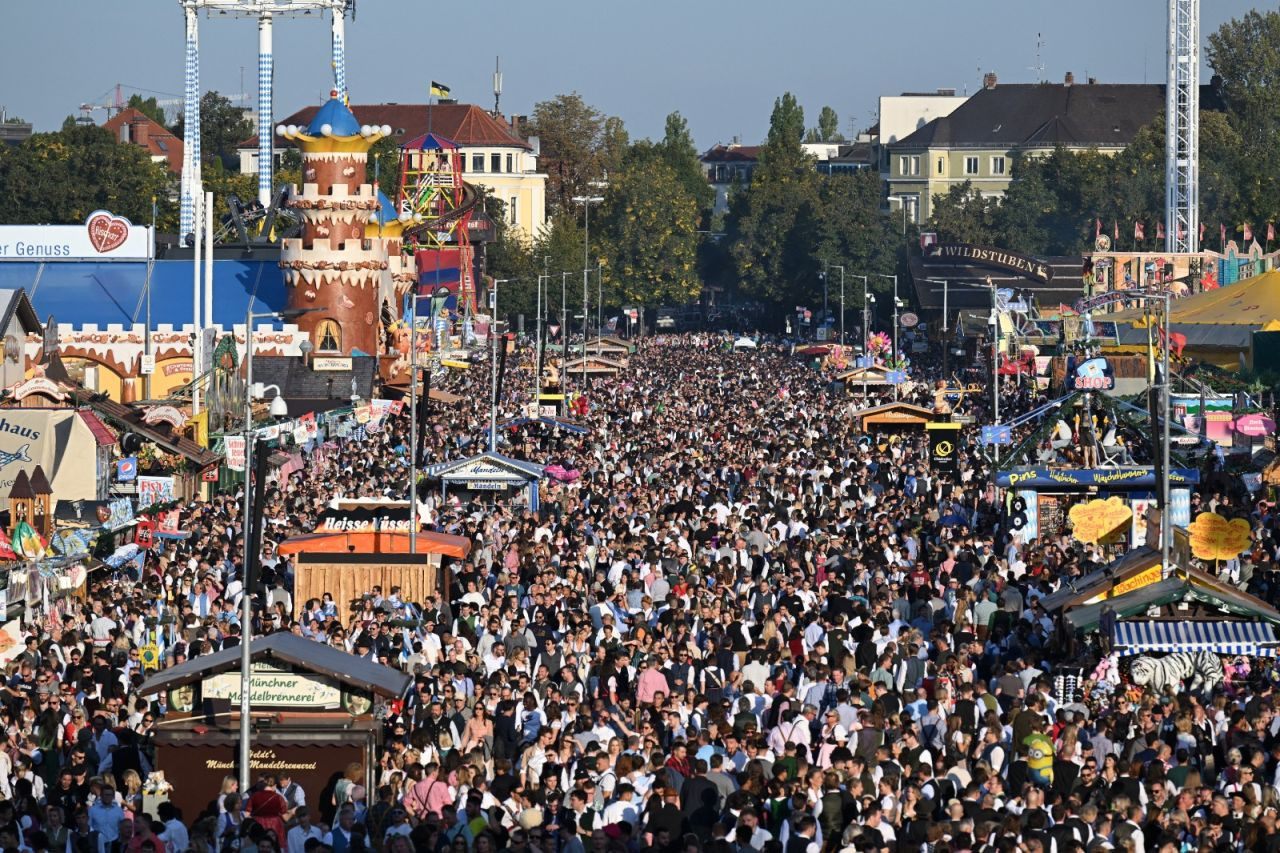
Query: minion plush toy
x,y
1039,758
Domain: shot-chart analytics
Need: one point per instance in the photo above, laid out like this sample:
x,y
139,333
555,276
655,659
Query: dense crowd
x,y
745,627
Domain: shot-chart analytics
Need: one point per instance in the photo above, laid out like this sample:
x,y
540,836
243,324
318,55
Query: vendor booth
x,y
360,545
607,345
872,374
312,715
893,415
489,477
596,365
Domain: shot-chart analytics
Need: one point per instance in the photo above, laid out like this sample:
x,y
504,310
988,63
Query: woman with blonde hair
x,y
131,794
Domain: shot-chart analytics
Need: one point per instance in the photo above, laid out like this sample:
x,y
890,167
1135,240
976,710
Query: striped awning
x,y
1225,638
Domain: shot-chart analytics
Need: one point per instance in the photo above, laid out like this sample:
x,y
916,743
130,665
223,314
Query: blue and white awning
x,y
1225,638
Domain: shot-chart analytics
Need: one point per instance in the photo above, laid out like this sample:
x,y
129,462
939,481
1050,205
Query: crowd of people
x,y
743,627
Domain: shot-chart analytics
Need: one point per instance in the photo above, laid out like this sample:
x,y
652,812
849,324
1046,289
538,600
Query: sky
x,y
720,64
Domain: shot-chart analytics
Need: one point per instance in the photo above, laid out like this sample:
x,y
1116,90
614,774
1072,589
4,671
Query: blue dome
x,y
338,116
386,209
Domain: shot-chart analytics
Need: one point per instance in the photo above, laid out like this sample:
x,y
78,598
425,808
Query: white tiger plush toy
x,y
1201,670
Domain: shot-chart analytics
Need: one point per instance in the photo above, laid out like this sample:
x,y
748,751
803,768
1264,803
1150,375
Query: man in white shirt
x,y
622,808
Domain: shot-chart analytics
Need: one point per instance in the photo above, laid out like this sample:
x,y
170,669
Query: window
x,y
495,162
942,165
971,165
915,164
997,165
477,162
328,336
904,165
511,162
512,207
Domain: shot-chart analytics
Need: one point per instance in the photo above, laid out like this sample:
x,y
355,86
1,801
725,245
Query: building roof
x,y
465,124
1045,115
101,432
305,390
22,486
14,301
732,153
39,482
287,648
132,125
337,116
129,417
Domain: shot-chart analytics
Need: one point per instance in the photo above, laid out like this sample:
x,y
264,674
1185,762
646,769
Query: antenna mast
x,y
497,84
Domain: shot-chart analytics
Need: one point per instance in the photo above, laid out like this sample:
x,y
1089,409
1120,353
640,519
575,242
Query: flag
x,y
1271,231
1097,228
439,90
1202,227
1139,232
1159,230
1248,233
1222,234
612,325
1117,230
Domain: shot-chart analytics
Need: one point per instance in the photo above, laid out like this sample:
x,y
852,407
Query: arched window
x,y
328,336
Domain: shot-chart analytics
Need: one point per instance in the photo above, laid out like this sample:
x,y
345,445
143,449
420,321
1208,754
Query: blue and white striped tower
x,y
191,183
340,52
264,109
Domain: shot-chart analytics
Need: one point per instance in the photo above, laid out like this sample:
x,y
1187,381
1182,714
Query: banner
x,y
154,490
234,449
127,469
944,441
1096,520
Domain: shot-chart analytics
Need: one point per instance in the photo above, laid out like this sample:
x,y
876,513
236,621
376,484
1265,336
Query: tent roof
x,y
1190,584
1101,580
1252,301
376,542
292,649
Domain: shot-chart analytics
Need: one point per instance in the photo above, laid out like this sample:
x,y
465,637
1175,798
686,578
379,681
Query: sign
x,y
127,469
50,342
148,364
1096,520
895,377
1215,538
944,440
1001,434
963,253
234,448
1255,425
275,688
103,235
486,485
1146,577
908,320
155,490
38,385
363,519
1078,479
331,363
209,475
119,514
144,534
165,415
1091,374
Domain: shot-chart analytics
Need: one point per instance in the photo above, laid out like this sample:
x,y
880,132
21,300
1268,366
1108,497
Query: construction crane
x,y
168,104
1182,129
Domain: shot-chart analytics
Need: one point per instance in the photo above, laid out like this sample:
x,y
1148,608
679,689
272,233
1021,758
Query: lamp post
x,y
868,299
946,349
564,335
277,409
896,305
902,205
493,370
586,201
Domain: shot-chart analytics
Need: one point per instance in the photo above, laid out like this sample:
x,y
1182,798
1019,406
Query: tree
x,y
962,215
149,107
508,257
767,223
384,162
649,230
828,129
62,177
578,144
223,126
678,151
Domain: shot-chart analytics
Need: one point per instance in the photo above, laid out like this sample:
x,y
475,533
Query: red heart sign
x,y
107,232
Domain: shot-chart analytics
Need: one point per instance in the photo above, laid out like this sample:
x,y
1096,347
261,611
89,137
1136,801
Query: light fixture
x,y
278,408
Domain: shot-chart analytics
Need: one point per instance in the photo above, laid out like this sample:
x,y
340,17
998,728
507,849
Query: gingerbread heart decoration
x,y
106,231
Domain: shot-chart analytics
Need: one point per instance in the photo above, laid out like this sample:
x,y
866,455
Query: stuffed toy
x,y
1039,758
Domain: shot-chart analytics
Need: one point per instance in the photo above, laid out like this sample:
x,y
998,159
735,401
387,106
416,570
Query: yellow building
x,y
977,143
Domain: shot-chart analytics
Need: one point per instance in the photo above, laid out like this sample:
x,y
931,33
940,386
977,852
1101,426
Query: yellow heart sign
x,y
1215,538
1098,519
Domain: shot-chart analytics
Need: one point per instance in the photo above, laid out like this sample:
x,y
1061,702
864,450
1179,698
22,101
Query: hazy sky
x,y
720,64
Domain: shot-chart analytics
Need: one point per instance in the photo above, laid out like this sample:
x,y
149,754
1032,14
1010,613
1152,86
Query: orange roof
x,y
463,124
132,125
379,542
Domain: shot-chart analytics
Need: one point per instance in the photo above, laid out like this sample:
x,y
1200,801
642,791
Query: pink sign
x,y
1255,425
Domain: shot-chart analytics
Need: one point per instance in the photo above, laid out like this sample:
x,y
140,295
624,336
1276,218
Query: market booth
x,y
312,714
613,347
359,546
595,365
490,477
894,415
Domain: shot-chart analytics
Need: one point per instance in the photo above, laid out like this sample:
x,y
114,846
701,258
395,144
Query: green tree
x,y
149,107
223,126
224,182
678,151
767,226
828,129
578,144
649,231
962,215
384,161
62,177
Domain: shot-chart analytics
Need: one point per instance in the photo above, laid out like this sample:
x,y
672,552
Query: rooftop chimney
x,y
1069,80
989,80
1093,80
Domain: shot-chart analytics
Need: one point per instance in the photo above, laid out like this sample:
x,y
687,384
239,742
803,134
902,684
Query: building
x,y
900,116
730,166
131,125
13,131
978,140
494,157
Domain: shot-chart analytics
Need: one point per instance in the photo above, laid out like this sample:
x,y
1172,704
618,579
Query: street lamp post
x,y
946,349
493,369
564,334
246,593
586,201
902,205
868,299
896,305
824,296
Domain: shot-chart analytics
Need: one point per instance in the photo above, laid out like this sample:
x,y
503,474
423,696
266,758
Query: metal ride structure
x,y
435,207
265,11
1182,129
